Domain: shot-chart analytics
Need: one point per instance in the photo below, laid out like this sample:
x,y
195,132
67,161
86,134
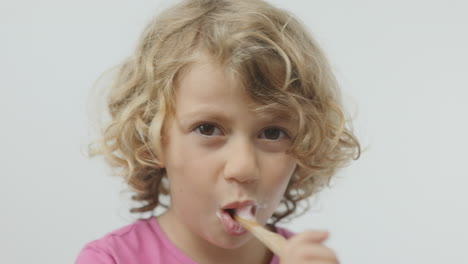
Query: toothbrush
x,y
271,240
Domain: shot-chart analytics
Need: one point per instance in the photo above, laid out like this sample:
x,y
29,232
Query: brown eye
x,y
208,130
273,134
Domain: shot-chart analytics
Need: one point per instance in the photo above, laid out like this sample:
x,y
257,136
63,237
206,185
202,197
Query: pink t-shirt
x,y
143,242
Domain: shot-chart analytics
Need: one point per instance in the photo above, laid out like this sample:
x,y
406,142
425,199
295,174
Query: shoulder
x,y
123,244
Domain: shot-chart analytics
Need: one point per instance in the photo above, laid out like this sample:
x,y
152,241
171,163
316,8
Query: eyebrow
x,y
216,114
206,112
274,115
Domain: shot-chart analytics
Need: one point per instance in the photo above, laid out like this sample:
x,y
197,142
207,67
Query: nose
x,y
241,162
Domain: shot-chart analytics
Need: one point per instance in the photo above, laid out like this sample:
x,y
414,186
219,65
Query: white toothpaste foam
x,y
218,214
246,213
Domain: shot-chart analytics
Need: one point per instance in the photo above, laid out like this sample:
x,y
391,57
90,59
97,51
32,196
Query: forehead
x,y
207,86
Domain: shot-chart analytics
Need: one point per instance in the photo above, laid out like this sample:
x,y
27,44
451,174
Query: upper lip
x,y
238,204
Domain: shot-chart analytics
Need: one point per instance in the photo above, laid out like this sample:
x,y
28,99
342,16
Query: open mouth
x,y
231,212
246,210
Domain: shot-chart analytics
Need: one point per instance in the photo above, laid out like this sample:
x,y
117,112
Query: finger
x,y
310,237
308,259
297,260
323,262
317,251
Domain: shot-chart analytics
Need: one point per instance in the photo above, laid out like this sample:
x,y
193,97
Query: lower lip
x,y
231,226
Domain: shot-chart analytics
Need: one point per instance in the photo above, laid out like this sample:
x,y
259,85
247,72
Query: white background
x,y
403,69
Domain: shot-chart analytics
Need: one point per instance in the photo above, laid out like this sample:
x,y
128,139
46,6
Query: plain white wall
x,y
403,69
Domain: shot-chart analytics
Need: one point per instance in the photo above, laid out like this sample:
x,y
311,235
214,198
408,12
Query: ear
x,y
154,158
161,158
161,163
157,152
296,174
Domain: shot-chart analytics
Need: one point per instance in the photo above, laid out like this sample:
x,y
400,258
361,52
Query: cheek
x,y
277,175
190,170
280,177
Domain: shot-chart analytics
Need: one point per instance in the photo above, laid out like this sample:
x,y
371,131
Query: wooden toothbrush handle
x,y
272,240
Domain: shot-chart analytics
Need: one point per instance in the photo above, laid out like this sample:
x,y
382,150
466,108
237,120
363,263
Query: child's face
x,y
217,152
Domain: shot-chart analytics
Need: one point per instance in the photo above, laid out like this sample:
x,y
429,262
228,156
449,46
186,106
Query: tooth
x,y
245,212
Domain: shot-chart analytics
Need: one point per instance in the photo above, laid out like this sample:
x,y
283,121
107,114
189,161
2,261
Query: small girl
x,y
225,105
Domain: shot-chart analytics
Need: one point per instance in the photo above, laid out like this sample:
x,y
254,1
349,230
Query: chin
x,y
231,242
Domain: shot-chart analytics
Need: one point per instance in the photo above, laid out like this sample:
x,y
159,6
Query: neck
x,y
202,251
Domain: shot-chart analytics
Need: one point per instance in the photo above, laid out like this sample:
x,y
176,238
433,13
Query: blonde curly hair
x,y
280,65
